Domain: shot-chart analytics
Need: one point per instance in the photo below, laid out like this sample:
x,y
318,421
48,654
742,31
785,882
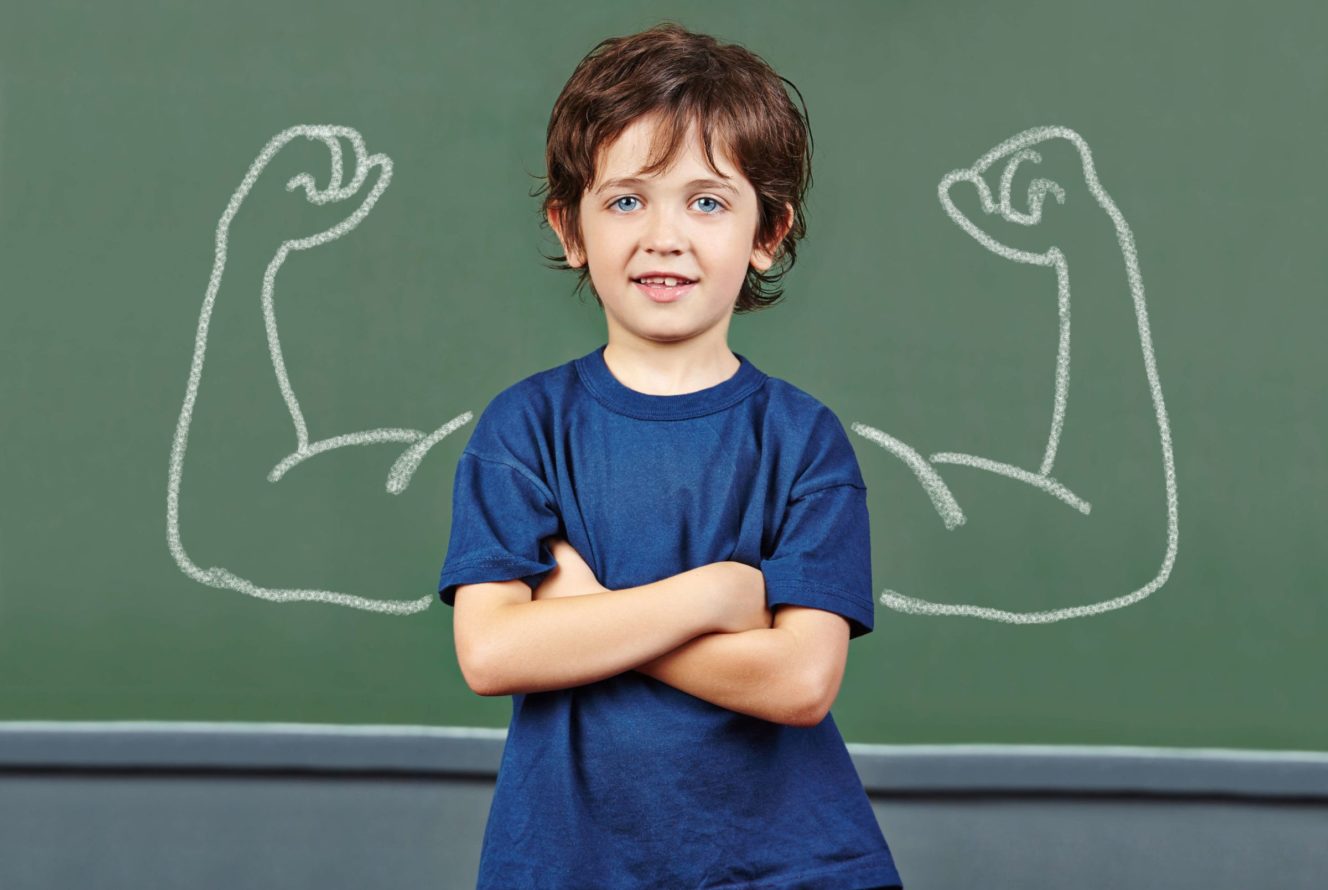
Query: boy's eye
x,y
618,203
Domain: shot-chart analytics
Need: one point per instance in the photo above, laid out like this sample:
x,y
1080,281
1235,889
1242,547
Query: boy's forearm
x,y
752,672
575,640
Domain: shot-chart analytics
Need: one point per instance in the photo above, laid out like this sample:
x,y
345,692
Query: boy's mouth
x,y
664,280
665,288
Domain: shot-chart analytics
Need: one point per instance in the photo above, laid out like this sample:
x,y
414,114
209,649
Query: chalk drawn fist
x,y
1006,217
349,187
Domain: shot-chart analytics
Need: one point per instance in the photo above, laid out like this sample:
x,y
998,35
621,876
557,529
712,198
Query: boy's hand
x,y
740,587
572,577
742,590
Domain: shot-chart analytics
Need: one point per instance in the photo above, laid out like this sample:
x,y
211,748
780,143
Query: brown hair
x,y
686,78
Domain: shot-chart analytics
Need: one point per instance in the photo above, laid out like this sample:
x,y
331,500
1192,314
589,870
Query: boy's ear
x,y
764,257
574,258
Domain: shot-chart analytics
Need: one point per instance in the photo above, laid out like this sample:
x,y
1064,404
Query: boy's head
x,y
668,107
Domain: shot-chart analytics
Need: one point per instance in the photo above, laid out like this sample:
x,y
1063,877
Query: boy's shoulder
x,y
793,398
800,408
514,417
826,456
530,395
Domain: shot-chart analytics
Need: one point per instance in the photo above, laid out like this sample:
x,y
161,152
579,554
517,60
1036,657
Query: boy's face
x,y
698,231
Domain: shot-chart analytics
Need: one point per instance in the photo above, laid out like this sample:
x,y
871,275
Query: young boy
x,y
660,552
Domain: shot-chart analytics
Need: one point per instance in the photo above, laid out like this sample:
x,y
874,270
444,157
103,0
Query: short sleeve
x,y
821,553
822,556
500,518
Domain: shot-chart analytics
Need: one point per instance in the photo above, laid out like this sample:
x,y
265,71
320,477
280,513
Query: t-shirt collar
x,y
595,374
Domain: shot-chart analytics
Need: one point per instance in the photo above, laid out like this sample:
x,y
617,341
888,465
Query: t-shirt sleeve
x,y
500,518
821,556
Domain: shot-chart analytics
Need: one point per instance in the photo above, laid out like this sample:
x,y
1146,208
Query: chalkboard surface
x,y
1064,284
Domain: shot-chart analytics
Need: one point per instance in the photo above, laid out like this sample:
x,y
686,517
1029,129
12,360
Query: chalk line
x,y
405,465
1015,151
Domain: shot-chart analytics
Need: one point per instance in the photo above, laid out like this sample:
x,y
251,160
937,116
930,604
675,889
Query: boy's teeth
x,y
667,282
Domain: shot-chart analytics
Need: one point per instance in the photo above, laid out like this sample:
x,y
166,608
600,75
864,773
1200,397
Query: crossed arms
x,y
705,632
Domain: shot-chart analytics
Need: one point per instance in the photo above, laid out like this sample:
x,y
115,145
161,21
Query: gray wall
x,y
132,805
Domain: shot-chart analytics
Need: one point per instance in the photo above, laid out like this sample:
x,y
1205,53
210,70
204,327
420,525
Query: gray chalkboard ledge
x,y
424,751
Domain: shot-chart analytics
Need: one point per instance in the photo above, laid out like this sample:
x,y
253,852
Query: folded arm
x,y
573,631
789,673
786,673
509,640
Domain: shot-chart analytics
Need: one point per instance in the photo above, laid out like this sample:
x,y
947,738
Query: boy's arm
x,y
763,672
540,645
748,668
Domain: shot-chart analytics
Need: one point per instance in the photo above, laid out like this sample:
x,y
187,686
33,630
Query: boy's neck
x,y
670,369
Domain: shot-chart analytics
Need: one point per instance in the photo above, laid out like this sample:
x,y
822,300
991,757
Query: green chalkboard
x,y
1086,395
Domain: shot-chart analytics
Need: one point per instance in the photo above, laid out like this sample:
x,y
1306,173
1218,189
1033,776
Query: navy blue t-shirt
x,y
628,782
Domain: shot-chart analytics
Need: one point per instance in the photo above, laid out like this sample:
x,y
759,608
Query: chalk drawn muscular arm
x,y
357,195
994,229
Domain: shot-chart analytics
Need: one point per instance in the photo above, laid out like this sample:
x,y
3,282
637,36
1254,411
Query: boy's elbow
x,y
470,672
479,677
805,708
808,718
814,705
812,717
477,669
487,691
477,625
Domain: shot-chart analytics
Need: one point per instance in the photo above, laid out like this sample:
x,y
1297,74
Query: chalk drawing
x,y
1015,151
398,477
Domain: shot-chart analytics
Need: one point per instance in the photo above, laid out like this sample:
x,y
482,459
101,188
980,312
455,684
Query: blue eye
x,y
718,205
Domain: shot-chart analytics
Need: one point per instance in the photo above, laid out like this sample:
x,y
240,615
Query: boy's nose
x,y
663,234
660,248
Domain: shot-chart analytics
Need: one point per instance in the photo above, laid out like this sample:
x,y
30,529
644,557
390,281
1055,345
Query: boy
x,y
668,729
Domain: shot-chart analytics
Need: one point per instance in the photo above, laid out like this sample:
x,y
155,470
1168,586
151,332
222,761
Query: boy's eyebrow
x,y
623,181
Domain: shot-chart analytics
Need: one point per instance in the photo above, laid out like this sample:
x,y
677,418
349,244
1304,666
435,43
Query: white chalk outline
x,y
943,500
1015,151
402,469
